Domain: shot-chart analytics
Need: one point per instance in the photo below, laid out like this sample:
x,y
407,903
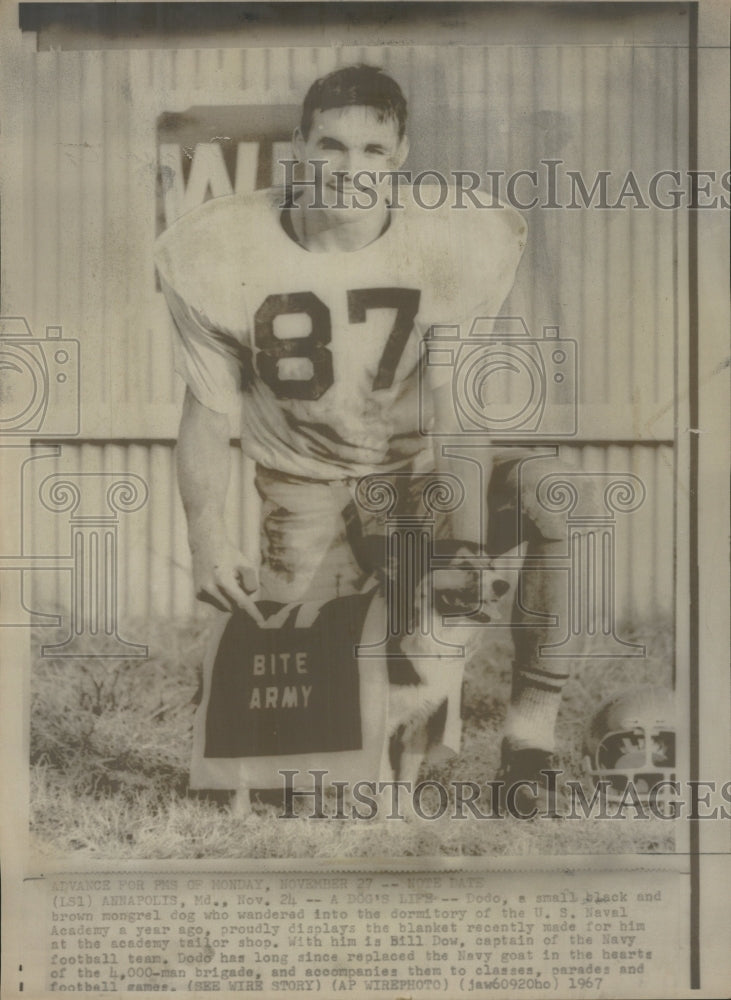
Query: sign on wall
x,y
210,152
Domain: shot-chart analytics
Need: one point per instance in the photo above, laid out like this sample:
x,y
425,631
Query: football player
x,y
303,318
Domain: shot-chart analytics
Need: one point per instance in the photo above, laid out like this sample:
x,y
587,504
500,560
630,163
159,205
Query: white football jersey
x,y
320,352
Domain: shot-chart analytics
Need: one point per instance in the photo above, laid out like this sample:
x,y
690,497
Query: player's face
x,y
355,144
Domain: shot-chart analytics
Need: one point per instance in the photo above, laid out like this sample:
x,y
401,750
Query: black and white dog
x,y
451,607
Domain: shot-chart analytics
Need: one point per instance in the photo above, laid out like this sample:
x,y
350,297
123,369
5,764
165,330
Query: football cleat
x,y
528,777
632,739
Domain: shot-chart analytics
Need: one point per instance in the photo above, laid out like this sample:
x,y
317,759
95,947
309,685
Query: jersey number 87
x,y
272,349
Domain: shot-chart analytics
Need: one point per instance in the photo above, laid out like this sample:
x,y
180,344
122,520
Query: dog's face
x,y
463,592
459,600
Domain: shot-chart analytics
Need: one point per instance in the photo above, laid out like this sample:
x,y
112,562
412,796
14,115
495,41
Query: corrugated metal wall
x,y
607,278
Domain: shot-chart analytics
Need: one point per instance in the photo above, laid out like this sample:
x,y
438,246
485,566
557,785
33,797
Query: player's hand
x,y
225,578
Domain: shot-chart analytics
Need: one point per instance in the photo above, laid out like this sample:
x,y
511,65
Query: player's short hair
x,y
351,86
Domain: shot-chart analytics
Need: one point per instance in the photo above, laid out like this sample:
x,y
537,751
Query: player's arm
x,y
222,574
209,361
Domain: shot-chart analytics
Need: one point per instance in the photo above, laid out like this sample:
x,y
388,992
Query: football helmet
x,y
632,738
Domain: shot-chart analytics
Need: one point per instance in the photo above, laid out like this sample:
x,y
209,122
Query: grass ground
x,y
110,744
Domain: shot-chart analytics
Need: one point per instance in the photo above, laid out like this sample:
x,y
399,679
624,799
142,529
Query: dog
x,y
451,608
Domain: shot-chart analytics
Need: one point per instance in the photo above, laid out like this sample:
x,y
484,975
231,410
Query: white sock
x,y
531,719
